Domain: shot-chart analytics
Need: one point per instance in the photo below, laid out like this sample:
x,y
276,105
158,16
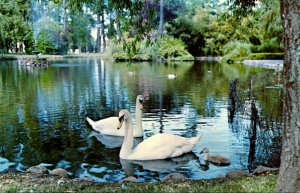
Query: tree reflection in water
x,y
255,117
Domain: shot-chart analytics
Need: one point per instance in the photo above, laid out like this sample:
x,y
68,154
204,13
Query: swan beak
x,y
121,120
201,152
141,105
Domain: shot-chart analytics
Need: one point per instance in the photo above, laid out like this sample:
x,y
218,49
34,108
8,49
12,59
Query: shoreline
x,y
269,64
49,57
28,182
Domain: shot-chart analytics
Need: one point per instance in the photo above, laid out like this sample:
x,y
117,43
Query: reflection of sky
x,y
66,93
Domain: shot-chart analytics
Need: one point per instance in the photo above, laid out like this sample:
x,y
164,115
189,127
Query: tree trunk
x,y
161,18
289,175
103,31
64,16
98,34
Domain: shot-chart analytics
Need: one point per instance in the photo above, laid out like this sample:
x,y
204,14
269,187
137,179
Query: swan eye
x,y
141,100
121,118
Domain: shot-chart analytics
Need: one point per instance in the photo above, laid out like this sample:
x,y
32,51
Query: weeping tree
x,y
289,175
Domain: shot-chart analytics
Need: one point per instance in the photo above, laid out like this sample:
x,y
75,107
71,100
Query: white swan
x,y
108,126
159,146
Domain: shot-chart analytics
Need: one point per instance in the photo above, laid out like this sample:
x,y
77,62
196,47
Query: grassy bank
x,y
25,182
266,56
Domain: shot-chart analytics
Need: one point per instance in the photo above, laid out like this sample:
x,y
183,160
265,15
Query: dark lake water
x,y
43,111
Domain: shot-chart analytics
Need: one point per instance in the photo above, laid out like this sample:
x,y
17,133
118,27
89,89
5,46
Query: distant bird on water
x,y
171,76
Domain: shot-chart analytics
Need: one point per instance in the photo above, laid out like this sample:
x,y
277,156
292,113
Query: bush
x,y
168,48
174,49
120,56
236,50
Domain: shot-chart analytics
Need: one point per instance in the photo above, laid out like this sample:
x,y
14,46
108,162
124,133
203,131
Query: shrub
x,y
120,56
174,49
168,48
236,50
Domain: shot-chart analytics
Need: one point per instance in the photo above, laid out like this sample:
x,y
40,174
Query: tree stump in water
x,y
36,62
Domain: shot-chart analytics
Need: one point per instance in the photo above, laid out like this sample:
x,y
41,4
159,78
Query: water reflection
x,y
43,111
255,114
110,141
162,166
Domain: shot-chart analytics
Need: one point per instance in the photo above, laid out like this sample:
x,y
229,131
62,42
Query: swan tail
x,y
91,122
196,139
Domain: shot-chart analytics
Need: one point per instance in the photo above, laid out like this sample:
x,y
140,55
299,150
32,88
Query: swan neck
x,y
138,119
126,148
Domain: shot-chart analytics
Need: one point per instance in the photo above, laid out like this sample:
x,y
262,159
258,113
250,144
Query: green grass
x,y
29,183
264,56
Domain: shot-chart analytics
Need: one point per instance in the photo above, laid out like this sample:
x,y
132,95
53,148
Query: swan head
x,y
140,102
204,150
123,115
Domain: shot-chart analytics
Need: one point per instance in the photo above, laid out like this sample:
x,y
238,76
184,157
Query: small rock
x,y
174,177
128,179
38,170
83,180
12,170
264,170
60,172
61,182
235,174
123,187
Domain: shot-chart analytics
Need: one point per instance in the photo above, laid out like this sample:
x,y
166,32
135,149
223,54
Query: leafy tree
x,y
80,32
14,28
51,38
98,7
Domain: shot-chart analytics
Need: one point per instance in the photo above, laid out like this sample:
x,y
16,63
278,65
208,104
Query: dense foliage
x,y
168,48
13,26
201,27
208,26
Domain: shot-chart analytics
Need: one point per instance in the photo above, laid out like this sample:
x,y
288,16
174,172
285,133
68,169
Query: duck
x,y
171,76
157,147
131,73
215,159
108,126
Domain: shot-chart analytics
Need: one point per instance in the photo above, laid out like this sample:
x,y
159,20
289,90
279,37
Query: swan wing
x,y
161,146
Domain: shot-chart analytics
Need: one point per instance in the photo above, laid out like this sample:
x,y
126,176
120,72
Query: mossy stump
x,y
36,62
